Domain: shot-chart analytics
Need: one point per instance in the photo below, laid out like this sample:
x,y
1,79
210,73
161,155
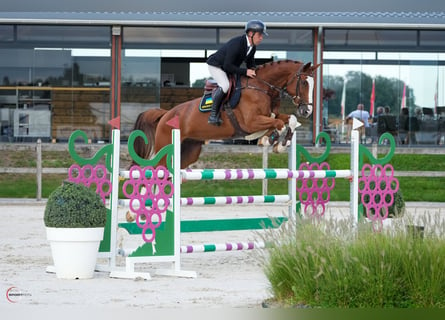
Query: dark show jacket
x,y
231,55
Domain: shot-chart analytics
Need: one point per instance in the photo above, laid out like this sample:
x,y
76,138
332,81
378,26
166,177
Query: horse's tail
x,y
147,122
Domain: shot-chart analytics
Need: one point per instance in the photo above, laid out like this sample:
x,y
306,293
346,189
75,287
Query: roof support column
x,y
116,58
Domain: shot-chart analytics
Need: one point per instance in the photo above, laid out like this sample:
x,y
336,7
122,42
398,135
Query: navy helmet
x,y
256,26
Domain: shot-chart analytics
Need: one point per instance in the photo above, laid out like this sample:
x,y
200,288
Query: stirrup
x,y
216,121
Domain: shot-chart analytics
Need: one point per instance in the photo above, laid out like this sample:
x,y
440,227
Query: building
x,y
75,66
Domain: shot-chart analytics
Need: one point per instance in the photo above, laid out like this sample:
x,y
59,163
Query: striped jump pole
x,y
260,174
235,246
224,200
210,247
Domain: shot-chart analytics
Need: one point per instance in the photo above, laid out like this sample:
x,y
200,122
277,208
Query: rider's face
x,y
257,38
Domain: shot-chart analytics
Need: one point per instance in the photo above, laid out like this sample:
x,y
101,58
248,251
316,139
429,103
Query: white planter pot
x,y
74,251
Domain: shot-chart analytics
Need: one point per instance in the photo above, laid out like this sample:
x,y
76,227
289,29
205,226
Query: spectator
x,y
380,111
361,114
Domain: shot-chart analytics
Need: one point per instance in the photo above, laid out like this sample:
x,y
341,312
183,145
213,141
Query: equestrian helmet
x,y
256,26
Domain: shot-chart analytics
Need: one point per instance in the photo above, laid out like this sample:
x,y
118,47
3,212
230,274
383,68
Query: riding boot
x,y
217,98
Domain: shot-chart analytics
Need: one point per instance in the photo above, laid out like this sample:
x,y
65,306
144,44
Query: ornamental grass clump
x,y
328,264
74,205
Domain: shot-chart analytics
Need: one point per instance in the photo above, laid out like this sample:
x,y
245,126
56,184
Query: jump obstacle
x,y
162,227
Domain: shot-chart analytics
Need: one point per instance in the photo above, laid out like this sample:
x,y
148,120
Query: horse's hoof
x,y
279,148
129,216
286,141
264,141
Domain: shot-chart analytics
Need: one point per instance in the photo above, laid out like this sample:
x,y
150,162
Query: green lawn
x,y
413,188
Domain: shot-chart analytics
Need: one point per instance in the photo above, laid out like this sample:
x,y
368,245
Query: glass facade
x,y
56,79
400,71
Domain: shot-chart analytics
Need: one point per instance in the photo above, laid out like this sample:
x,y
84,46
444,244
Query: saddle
x,y
231,99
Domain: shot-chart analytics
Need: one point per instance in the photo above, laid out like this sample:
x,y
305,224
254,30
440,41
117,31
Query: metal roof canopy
x,y
227,5
228,13
419,20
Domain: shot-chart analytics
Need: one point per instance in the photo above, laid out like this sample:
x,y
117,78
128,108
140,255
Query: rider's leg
x,y
217,98
221,78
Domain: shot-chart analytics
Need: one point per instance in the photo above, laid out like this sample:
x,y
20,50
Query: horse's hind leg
x,y
190,151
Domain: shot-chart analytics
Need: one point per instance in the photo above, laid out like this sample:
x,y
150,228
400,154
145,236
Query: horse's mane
x,y
273,63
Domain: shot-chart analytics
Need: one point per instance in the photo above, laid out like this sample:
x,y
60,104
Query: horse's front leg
x,y
292,125
290,120
272,137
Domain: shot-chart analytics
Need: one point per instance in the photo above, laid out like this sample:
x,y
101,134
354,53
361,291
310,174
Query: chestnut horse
x,y
257,111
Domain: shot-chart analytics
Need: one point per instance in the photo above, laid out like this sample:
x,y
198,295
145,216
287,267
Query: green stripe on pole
x,y
330,174
270,173
209,248
209,200
269,198
207,175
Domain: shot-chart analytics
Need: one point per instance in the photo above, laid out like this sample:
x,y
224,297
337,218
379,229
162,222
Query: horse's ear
x,y
307,67
313,68
310,69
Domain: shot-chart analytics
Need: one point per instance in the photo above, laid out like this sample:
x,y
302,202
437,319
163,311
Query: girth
x,y
239,133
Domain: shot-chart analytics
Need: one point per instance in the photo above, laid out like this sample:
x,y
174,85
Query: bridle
x,y
297,75
282,91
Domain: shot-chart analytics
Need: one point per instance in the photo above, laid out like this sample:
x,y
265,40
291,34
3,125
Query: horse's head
x,y
300,87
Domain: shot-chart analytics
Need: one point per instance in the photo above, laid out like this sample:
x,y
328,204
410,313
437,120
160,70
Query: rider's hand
x,y
251,73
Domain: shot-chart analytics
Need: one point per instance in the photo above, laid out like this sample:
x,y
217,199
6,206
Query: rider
x,y
228,59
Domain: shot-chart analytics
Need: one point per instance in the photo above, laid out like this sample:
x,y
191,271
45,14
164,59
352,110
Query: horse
x,y
256,112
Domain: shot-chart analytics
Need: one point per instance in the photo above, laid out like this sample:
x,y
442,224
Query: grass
x,y
431,188
324,264
25,185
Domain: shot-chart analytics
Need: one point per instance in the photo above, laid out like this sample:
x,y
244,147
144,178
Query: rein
x,y
282,92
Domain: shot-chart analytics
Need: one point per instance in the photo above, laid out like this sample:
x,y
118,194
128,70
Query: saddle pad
x,y
235,94
206,102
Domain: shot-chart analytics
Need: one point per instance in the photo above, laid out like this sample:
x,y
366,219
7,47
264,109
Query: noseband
x,y
286,93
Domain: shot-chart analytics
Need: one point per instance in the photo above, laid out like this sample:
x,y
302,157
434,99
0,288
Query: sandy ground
x,y
225,279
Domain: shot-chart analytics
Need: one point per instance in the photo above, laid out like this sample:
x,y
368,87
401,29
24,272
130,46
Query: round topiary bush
x,y
74,205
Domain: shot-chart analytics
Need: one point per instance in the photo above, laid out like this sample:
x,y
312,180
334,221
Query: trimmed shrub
x,y
74,205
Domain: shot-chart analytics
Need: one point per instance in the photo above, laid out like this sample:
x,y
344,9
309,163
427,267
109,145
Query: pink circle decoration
x,y
377,186
315,193
149,190
89,175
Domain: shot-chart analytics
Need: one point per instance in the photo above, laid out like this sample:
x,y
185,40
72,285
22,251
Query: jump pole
x,y
113,203
355,142
292,183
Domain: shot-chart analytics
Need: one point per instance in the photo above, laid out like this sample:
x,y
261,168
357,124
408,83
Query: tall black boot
x,y
217,98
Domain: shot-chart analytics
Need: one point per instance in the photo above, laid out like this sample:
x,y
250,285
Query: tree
x,y
388,92
199,83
